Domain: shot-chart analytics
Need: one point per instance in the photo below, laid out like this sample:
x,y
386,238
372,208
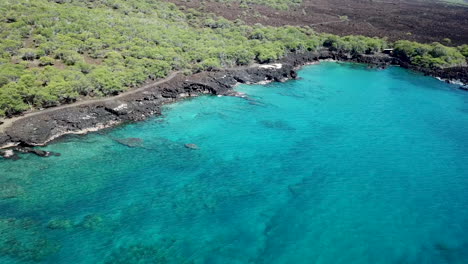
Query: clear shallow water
x,y
346,165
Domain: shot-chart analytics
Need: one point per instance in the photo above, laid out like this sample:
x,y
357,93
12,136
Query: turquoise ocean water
x,y
345,165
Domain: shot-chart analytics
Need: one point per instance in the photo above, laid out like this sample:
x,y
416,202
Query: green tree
x,y
105,81
10,100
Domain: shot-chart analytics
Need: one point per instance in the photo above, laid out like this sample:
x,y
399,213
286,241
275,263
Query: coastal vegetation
x,y
55,51
430,55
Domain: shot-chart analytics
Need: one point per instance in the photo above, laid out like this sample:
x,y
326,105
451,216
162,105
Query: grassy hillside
x,y
54,51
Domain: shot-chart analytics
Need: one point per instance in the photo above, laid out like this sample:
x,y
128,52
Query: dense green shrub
x,y
11,101
69,57
355,44
428,55
45,61
106,81
28,54
464,50
211,64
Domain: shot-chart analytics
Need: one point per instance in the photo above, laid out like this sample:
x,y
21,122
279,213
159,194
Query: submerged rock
x,y
92,221
191,146
277,124
10,190
60,224
37,152
162,251
130,142
24,240
9,154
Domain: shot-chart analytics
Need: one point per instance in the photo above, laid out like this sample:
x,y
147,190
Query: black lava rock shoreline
x,y
42,127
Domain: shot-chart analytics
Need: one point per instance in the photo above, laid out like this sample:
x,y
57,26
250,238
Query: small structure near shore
x,y
388,51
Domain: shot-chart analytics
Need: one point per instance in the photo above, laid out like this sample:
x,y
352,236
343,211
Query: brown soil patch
x,y
90,60
59,64
424,21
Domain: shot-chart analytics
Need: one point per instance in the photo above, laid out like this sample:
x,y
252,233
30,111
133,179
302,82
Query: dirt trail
x,y
8,122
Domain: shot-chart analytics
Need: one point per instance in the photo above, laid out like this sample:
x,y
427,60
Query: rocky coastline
x,y
43,127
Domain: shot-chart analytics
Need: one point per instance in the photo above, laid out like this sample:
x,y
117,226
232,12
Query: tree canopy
x,y
429,55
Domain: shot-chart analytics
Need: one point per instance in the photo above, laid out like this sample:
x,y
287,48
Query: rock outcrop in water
x,y
37,152
130,142
12,152
8,154
191,146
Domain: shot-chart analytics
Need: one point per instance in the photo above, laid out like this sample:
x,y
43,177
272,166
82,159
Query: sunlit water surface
x,y
345,165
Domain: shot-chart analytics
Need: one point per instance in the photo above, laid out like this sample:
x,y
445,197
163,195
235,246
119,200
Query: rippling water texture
x,y
346,165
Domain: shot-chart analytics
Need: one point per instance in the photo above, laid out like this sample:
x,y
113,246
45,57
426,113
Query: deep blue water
x,y
346,165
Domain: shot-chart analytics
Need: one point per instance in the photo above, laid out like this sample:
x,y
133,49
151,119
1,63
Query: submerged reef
x,y
64,224
10,190
159,252
276,124
23,239
191,146
92,221
130,142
